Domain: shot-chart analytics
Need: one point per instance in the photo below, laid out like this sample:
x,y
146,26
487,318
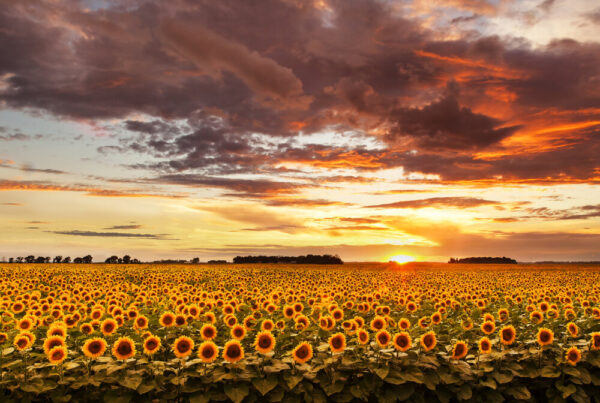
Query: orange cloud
x,y
90,191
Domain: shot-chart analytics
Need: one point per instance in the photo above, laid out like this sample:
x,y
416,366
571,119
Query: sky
x,y
425,129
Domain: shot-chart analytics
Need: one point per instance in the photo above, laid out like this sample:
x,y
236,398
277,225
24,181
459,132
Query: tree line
x,y
308,259
493,260
48,259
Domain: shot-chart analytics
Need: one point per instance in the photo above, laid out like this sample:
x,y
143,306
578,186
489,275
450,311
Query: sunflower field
x,y
279,333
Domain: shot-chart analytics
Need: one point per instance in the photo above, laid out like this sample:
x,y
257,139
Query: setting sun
x,y
402,259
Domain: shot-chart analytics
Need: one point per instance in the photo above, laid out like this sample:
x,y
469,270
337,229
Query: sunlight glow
x,y
402,259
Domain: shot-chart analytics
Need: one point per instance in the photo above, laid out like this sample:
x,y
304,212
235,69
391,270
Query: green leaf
x,y
265,385
237,392
117,397
200,397
490,383
131,381
550,372
464,392
333,388
292,380
566,390
519,392
501,377
145,388
382,372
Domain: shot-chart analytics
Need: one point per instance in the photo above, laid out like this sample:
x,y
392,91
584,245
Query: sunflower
x,y
423,323
267,325
24,324
233,351
573,329
151,344
3,337
53,341
288,311
123,348
545,337
536,317
337,343
383,338
485,345
402,341
167,319
180,320
488,327
595,342
363,336
508,335
378,323
404,324
86,328
436,318
22,342
302,353
428,341
238,332
503,314
208,351
57,355
337,314
94,348
141,322
573,356
183,346
208,332
56,329
108,326
467,324
264,342
459,350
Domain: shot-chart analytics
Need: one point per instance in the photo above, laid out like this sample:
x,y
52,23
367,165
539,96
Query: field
x,y
371,332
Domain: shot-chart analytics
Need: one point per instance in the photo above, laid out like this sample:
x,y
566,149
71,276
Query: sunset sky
x,y
175,129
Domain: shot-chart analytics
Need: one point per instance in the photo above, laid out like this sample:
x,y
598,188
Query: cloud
x,y
438,202
210,51
112,234
9,185
126,226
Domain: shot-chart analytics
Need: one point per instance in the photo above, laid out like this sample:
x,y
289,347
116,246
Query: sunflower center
x,y
94,347
302,352
234,351
336,342
208,352
124,348
183,346
264,342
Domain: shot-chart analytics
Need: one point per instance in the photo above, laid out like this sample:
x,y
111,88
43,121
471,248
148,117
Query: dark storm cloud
x,y
239,74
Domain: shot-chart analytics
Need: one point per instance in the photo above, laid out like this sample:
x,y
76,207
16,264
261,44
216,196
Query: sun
x,y
402,259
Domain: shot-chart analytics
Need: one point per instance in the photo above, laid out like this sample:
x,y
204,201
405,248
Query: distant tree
x,y
135,261
112,260
20,259
57,259
11,260
30,259
195,260
67,259
87,259
78,260
40,259
126,259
